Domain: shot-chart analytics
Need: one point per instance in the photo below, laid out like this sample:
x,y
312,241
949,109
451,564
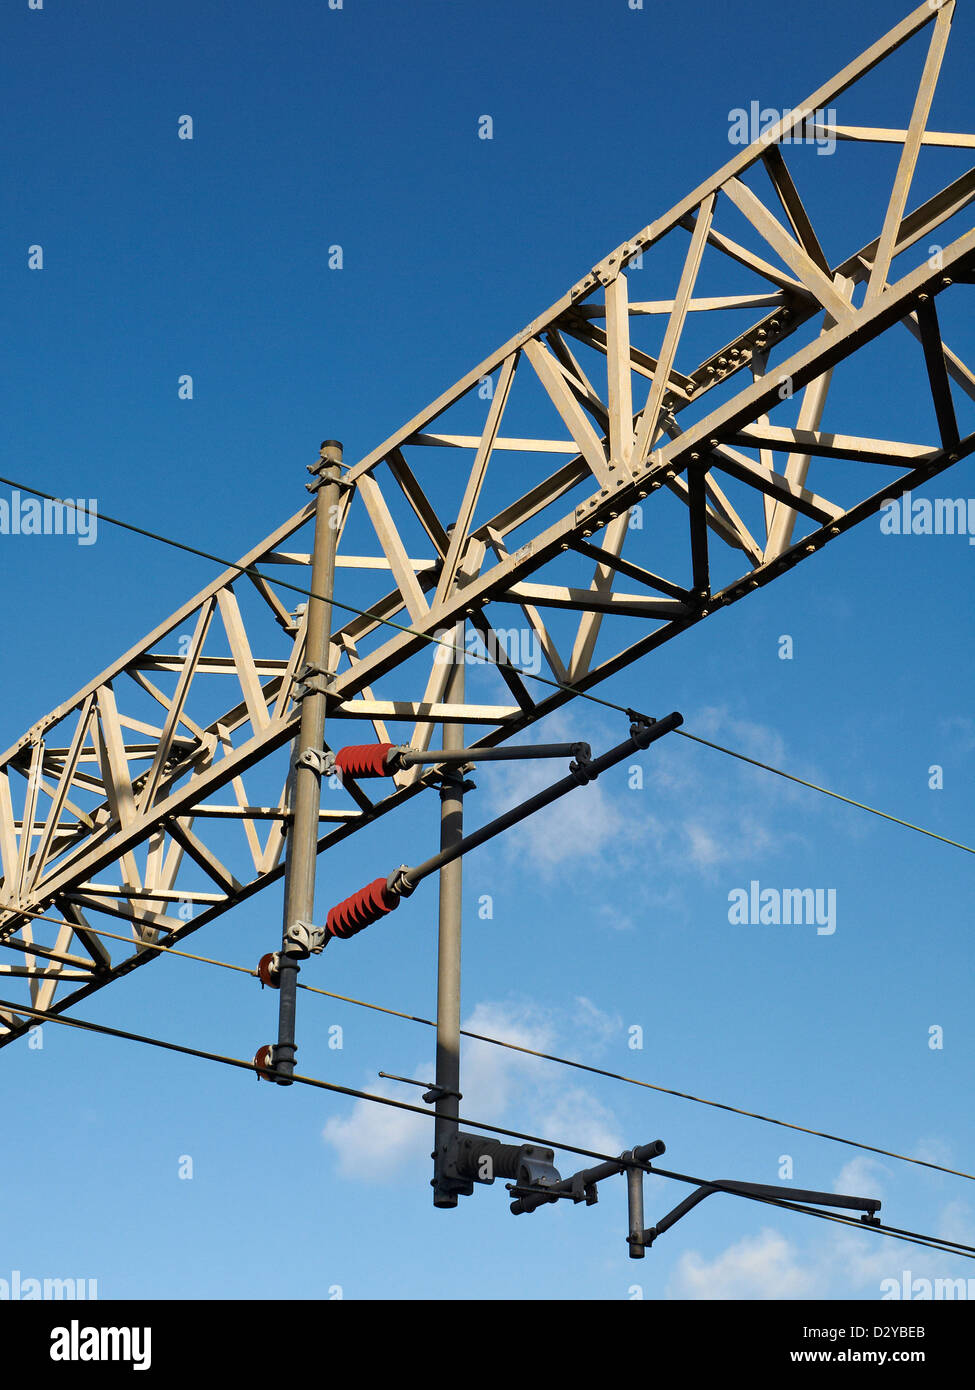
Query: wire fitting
x,y
452,782
398,883
329,458
582,770
312,680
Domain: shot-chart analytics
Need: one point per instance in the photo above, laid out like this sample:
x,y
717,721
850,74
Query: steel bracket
x,y
581,770
452,782
303,939
316,759
320,471
312,680
435,1094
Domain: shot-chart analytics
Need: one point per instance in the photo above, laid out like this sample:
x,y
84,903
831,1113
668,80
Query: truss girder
x,y
110,808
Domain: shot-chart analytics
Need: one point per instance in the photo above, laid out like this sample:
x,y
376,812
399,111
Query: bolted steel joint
x,y
312,680
581,770
641,729
580,1190
302,939
452,782
323,469
317,760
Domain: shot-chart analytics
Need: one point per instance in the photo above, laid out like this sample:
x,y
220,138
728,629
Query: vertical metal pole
x,y
448,955
634,1203
305,781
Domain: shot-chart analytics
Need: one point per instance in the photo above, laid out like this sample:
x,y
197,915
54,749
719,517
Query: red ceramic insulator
x,y
262,1060
362,909
264,972
364,759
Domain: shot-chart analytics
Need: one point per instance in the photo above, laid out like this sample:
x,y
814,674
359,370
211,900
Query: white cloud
x,y
955,1223
697,813
378,1144
862,1177
493,1076
575,1115
764,1266
935,1150
834,1262
374,1142
598,1026
595,821
712,811
744,735
586,823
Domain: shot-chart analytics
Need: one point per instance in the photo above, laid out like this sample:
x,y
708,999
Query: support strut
x,y
581,1187
447,1089
383,759
305,778
382,895
869,1206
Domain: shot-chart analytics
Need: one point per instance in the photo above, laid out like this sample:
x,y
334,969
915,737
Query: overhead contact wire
x,y
532,1052
85,1025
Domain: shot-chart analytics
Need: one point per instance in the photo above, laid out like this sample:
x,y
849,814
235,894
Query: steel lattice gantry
x,y
129,801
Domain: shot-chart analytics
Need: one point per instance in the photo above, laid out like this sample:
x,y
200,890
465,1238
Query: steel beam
x,y
147,778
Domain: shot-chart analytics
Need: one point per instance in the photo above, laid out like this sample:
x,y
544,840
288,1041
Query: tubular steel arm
x,y
867,1205
153,799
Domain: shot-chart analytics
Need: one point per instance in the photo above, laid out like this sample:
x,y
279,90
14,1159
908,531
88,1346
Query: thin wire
x,y
251,570
87,1026
942,1243
115,936
528,1051
791,777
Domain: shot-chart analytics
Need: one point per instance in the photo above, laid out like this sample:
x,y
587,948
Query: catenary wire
x,y
438,641
913,1237
85,1025
916,1237
251,570
528,1051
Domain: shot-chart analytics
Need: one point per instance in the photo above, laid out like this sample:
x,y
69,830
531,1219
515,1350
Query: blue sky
x,y
357,127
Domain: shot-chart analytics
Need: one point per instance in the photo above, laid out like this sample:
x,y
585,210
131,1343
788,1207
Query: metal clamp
x,y
316,759
312,680
330,456
581,770
640,727
452,782
435,1094
398,883
329,766
432,1094
303,939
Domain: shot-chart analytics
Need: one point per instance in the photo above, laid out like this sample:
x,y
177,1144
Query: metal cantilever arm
x,y
642,734
417,757
759,1191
